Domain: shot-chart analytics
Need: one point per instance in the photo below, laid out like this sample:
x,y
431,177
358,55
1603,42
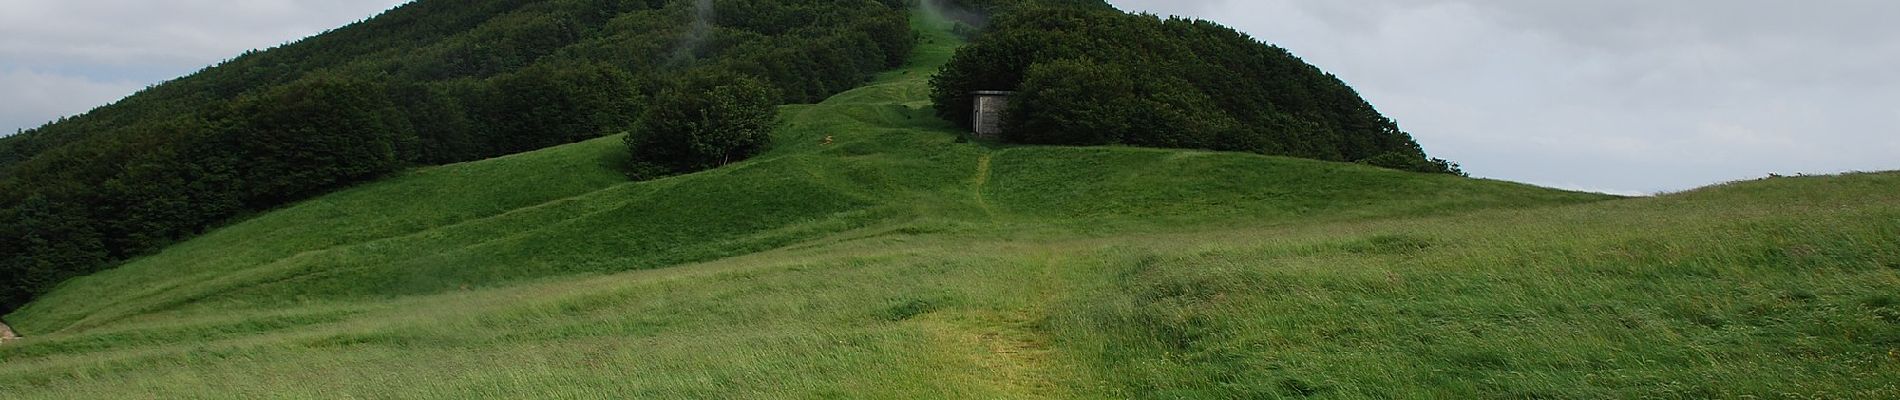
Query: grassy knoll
x,y
898,263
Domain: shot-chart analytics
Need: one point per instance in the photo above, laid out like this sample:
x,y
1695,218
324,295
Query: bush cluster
x,y
705,123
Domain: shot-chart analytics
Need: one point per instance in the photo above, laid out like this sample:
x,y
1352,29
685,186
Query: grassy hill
x,y
430,82
899,263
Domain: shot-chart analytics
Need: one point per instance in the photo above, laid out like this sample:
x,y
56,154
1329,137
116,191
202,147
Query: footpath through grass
x,y
898,263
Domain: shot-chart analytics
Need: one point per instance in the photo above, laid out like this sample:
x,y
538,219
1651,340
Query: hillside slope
x,y
894,167
898,263
428,83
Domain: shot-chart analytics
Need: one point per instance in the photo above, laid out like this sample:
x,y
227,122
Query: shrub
x,y
708,122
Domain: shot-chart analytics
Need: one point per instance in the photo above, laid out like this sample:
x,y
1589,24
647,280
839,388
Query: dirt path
x,y
1014,355
1017,349
983,179
6,333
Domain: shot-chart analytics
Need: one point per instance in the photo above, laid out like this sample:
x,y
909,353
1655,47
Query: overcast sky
x,y
64,57
1622,96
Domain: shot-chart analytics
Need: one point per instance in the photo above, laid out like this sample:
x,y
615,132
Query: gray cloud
x,y
1622,96
63,57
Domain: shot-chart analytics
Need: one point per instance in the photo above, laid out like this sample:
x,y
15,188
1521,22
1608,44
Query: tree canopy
x,y
1087,74
705,123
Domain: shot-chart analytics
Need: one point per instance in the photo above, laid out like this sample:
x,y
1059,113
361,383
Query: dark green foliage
x,y
546,105
706,123
1091,75
1087,103
982,8
807,68
58,237
430,82
1404,161
305,138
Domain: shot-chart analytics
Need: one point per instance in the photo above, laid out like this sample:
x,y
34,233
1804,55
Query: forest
x,y
1088,74
428,83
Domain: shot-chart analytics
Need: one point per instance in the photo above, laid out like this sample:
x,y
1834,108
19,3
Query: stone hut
x,y
987,120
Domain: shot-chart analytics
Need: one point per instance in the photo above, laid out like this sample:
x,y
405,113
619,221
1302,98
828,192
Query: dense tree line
x,y
430,82
1087,74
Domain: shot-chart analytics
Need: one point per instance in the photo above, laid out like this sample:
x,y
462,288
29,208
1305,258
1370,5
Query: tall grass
x,y
899,263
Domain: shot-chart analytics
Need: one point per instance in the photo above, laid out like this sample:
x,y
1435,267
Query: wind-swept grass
x,y
899,263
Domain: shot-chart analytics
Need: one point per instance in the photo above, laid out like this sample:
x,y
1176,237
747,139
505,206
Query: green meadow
x,y
902,262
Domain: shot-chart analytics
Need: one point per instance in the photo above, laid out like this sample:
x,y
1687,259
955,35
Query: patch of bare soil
x,y
6,333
